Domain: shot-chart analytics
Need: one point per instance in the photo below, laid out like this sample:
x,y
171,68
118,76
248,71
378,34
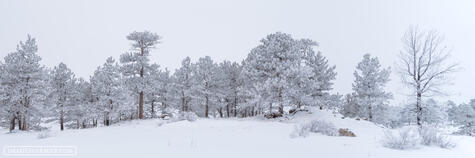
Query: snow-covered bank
x,y
232,138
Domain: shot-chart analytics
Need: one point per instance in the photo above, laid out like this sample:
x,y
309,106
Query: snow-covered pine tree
x,y
269,68
165,94
205,75
322,77
62,83
80,111
183,84
135,64
24,85
151,91
107,87
368,87
463,115
229,86
286,71
159,90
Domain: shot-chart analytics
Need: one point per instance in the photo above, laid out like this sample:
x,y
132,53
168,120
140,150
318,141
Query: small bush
x,y
295,111
272,115
345,132
44,134
431,136
190,116
315,126
403,139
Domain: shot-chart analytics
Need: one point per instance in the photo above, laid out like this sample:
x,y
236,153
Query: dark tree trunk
x,y
206,106
227,110
281,105
235,107
19,123
141,105
153,109
220,110
24,127
12,124
61,120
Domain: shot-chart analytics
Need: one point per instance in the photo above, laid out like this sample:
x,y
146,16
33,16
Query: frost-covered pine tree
x,y
62,83
287,71
368,87
229,86
205,83
322,76
159,90
269,68
183,84
135,64
80,110
24,87
107,87
463,115
164,91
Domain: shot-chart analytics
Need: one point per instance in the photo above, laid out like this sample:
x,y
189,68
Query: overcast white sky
x,y
84,33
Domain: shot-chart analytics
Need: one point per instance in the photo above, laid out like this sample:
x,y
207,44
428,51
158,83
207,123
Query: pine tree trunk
x,y
235,107
142,53
227,110
153,109
370,111
24,127
206,108
61,120
141,105
12,124
281,105
19,123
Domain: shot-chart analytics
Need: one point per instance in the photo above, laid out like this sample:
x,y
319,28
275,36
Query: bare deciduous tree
x,y
424,65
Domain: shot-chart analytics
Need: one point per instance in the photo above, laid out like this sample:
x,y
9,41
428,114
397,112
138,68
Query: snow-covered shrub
x,y
272,115
315,126
403,139
44,134
190,116
431,136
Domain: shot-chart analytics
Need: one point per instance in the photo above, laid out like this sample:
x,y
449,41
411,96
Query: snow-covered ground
x,y
231,138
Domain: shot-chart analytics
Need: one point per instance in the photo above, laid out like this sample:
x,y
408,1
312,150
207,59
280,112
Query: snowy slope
x,y
232,138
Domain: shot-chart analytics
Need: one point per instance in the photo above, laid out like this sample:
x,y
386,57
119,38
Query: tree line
x,y
279,76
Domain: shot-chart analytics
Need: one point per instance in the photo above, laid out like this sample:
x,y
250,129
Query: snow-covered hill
x,y
231,138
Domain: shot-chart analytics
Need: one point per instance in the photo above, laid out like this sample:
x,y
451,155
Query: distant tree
x,y
206,82
230,84
135,64
62,83
463,115
424,65
368,86
107,87
80,109
183,83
